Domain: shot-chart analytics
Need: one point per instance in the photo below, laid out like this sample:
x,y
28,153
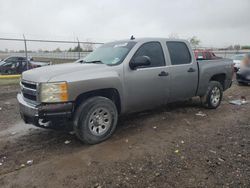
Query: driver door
x,y
146,86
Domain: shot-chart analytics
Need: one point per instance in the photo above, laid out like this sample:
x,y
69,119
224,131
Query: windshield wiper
x,y
96,61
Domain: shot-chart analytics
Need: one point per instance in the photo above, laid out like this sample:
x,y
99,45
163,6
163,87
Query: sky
x,y
217,23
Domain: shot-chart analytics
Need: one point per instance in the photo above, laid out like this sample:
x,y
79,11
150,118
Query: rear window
x,y
179,53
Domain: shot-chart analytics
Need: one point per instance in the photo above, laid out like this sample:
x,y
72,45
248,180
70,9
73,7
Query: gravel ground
x,y
167,147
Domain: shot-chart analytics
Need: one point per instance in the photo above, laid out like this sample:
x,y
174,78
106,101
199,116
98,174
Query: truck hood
x,y
45,74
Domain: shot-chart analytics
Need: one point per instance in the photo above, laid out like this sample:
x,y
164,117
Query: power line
x,y
52,41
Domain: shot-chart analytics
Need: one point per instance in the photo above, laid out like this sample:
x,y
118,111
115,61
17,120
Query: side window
x,y
154,51
8,64
20,59
10,59
179,53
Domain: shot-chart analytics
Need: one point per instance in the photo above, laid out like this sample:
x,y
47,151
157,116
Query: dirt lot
x,y
168,147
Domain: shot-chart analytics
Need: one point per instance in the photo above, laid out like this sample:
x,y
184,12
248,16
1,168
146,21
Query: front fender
x,y
96,81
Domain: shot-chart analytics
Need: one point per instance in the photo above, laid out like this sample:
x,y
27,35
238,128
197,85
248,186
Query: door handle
x,y
191,69
163,73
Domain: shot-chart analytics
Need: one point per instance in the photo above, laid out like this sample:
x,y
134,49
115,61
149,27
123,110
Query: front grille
x,y
29,91
29,85
30,97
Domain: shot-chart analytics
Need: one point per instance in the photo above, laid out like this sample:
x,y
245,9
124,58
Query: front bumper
x,y
31,113
243,81
243,78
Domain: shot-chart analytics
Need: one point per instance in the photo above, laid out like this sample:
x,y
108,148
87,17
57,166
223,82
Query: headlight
x,y
54,92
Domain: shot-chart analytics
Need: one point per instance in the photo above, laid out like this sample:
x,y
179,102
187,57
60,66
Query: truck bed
x,y
218,67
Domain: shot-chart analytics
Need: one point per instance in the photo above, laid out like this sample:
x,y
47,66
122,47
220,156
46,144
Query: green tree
x,y
237,47
57,50
76,49
194,41
247,47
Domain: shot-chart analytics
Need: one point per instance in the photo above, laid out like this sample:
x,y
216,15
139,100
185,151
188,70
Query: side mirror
x,y
140,61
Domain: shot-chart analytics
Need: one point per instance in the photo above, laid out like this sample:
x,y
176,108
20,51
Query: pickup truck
x,y
119,78
18,64
205,55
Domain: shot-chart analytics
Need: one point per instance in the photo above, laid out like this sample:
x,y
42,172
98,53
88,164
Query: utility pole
x,y
79,52
26,53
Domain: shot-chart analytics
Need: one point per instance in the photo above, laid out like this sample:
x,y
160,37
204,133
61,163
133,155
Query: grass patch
x,y
13,81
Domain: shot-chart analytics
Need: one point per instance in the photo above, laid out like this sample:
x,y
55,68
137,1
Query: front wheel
x,y
95,120
213,96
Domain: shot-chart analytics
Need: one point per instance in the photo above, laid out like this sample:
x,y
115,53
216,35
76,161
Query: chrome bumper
x,y
51,112
27,109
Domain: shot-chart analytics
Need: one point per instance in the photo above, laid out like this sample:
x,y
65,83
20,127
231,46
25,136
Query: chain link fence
x,y
60,51
54,50
229,53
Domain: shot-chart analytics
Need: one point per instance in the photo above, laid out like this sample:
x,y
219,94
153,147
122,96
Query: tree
x,y
230,47
173,36
76,49
247,47
88,47
237,47
57,50
194,41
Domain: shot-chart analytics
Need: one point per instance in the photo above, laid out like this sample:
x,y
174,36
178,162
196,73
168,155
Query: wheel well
x,y
219,78
109,93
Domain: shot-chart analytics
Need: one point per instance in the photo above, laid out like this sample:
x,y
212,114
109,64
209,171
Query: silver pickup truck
x,y
120,77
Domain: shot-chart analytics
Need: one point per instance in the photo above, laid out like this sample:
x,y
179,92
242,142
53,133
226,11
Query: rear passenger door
x,y
183,71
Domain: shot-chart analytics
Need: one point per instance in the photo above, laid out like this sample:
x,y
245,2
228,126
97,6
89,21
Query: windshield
x,y
110,54
1,63
238,57
6,59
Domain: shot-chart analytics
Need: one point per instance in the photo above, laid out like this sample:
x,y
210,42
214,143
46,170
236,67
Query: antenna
x,y
132,37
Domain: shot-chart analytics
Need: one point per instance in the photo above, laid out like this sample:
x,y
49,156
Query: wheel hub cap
x,y
100,121
215,96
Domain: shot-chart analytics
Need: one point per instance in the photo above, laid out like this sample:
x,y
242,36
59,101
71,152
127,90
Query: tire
x,y
242,84
95,120
213,96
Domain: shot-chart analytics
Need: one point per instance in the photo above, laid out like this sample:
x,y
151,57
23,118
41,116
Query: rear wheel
x,y
213,96
95,120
